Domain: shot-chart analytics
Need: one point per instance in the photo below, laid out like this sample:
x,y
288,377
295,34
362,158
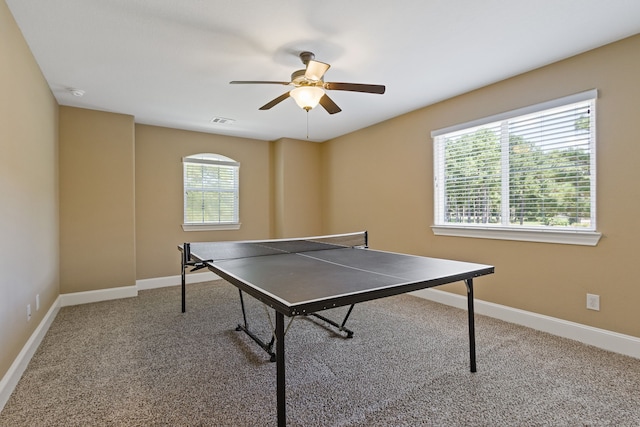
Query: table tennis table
x,y
306,275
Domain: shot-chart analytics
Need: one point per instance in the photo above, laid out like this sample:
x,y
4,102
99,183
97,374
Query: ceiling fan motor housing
x,y
306,56
298,78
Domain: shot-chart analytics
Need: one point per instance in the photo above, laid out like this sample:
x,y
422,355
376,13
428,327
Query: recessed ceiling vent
x,y
221,121
76,92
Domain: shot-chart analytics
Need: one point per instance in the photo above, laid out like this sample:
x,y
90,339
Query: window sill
x,y
566,237
210,227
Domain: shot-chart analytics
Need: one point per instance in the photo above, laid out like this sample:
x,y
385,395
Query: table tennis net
x,y
218,251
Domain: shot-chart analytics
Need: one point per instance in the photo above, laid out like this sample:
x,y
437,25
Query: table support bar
x,y
334,324
268,347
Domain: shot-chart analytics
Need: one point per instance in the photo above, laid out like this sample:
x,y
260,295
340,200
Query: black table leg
x,y
185,259
280,372
472,329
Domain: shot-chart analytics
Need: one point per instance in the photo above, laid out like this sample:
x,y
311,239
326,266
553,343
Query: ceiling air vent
x,y
221,121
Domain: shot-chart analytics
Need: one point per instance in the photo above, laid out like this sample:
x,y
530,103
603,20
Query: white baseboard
x,y
162,282
17,368
601,338
87,297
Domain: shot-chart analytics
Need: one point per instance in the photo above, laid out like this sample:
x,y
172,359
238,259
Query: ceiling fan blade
x,y
257,82
275,102
329,105
355,87
315,70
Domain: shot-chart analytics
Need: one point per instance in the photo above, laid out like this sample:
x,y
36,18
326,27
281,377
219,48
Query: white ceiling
x,y
169,62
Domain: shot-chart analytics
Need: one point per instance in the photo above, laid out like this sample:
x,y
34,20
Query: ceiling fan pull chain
x,y
307,124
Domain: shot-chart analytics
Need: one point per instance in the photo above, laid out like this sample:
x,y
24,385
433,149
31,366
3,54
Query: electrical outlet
x,y
37,302
28,312
593,302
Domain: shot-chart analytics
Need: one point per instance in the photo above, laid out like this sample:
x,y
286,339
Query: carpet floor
x,y
141,362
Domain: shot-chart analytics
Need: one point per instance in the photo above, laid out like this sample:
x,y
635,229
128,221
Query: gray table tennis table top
x,y
298,277
302,276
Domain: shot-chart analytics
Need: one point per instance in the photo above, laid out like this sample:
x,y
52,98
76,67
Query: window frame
x,y
211,159
543,234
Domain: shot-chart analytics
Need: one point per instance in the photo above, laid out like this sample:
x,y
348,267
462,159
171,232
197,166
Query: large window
x,y
211,184
526,175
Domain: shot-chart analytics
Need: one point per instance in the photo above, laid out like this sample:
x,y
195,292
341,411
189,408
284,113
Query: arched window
x,y
211,183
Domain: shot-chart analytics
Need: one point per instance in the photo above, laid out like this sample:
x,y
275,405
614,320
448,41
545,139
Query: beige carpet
x,y
140,362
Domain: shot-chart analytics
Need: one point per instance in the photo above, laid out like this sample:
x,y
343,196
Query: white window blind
x,y
532,168
211,185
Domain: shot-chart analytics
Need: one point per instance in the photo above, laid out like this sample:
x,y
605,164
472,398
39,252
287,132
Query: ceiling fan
x,y
310,88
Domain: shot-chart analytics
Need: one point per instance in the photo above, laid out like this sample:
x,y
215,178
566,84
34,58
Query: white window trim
x,y
224,161
559,236
566,237
211,227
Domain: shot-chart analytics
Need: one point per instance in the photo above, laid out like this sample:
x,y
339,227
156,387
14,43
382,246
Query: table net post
x,y
186,254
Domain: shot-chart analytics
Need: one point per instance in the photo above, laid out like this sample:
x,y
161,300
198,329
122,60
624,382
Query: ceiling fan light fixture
x,y
307,97
315,70
309,87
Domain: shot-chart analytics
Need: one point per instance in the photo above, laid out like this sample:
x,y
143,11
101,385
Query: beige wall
x,y
396,203
97,216
92,201
28,192
159,199
297,188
